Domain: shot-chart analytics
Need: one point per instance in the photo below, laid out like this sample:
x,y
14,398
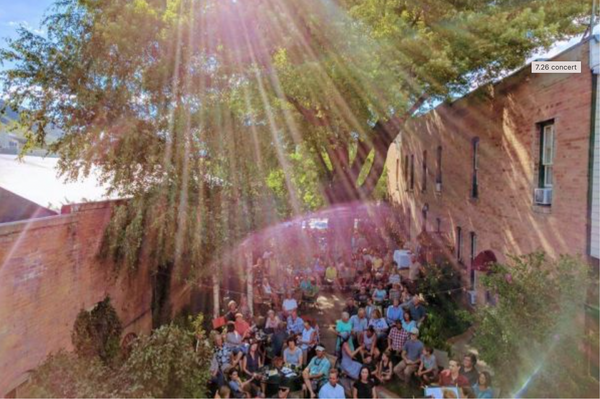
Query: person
x,y
416,309
331,275
369,308
348,364
385,368
284,390
269,292
308,339
332,389
272,321
231,311
414,269
407,322
241,325
252,362
233,339
278,339
365,386
468,368
343,326
292,355
289,303
236,385
394,277
362,295
379,324
428,369
221,361
369,343
244,308
411,357
359,323
295,324
395,293
397,338
316,371
379,295
451,376
394,312
483,387
350,307
223,392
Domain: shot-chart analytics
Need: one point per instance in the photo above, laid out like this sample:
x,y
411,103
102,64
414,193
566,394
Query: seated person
x,y
379,324
407,322
295,324
428,369
394,312
292,355
316,372
359,323
416,309
236,385
308,340
252,362
452,376
362,296
385,368
483,386
332,389
468,368
411,357
233,339
394,275
331,276
364,387
232,310
379,294
395,293
271,322
396,339
289,303
242,326
350,307
348,365
368,342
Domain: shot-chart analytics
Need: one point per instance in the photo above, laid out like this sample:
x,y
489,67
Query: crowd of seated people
x,y
377,334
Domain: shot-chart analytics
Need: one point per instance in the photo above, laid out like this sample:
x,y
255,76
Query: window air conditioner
x,y
543,196
438,187
472,297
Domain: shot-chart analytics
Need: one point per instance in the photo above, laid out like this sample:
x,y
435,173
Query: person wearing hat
x,y
316,372
411,357
232,311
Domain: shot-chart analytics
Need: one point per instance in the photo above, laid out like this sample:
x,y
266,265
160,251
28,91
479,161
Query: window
x,y
438,175
412,172
424,178
459,243
474,177
473,253
424,211
547,150
406,171
438,223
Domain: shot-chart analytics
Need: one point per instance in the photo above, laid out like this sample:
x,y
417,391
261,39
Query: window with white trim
x,y
547,151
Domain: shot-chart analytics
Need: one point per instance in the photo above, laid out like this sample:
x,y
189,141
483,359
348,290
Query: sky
x,y
16,12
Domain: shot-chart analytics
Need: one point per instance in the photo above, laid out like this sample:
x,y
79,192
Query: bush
x,y
98,333
532,338
441,287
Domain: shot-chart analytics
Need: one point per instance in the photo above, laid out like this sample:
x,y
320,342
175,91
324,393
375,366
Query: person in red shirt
x,y
241,325
452,376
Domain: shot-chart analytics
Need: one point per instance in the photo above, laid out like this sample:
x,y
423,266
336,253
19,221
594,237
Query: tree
x,y
532,338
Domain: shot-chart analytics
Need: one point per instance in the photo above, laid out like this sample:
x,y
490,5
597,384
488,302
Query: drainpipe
x,y
594,44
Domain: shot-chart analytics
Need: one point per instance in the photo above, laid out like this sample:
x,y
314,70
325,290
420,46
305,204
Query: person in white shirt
x,y
414,269
289,304
332,389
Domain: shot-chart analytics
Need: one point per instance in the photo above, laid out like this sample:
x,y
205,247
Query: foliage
x,y
442,288
165,364
97,333
67,375
168,363
532,337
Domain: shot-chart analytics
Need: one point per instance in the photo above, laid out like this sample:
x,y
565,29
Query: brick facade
x,y
49,271
506,118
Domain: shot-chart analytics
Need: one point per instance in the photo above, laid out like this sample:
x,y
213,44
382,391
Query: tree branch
x,y
309,114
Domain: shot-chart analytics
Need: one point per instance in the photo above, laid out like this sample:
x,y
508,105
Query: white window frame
x,y
548,153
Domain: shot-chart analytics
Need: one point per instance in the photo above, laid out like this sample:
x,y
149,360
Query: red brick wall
x,y
505,117
48,273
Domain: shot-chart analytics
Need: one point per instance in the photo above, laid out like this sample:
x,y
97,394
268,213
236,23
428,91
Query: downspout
x,y
594,59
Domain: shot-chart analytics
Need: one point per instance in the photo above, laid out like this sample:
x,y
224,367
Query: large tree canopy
x,y
169,99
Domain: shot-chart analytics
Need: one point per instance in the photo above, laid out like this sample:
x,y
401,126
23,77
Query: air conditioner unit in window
x,y
438,187
542,196
472,297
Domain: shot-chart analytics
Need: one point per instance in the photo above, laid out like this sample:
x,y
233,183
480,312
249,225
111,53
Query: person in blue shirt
x,y
394,312
333,389
316,372
295,324
483,387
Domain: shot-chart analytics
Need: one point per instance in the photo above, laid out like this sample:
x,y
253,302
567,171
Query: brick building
x,y
508,169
